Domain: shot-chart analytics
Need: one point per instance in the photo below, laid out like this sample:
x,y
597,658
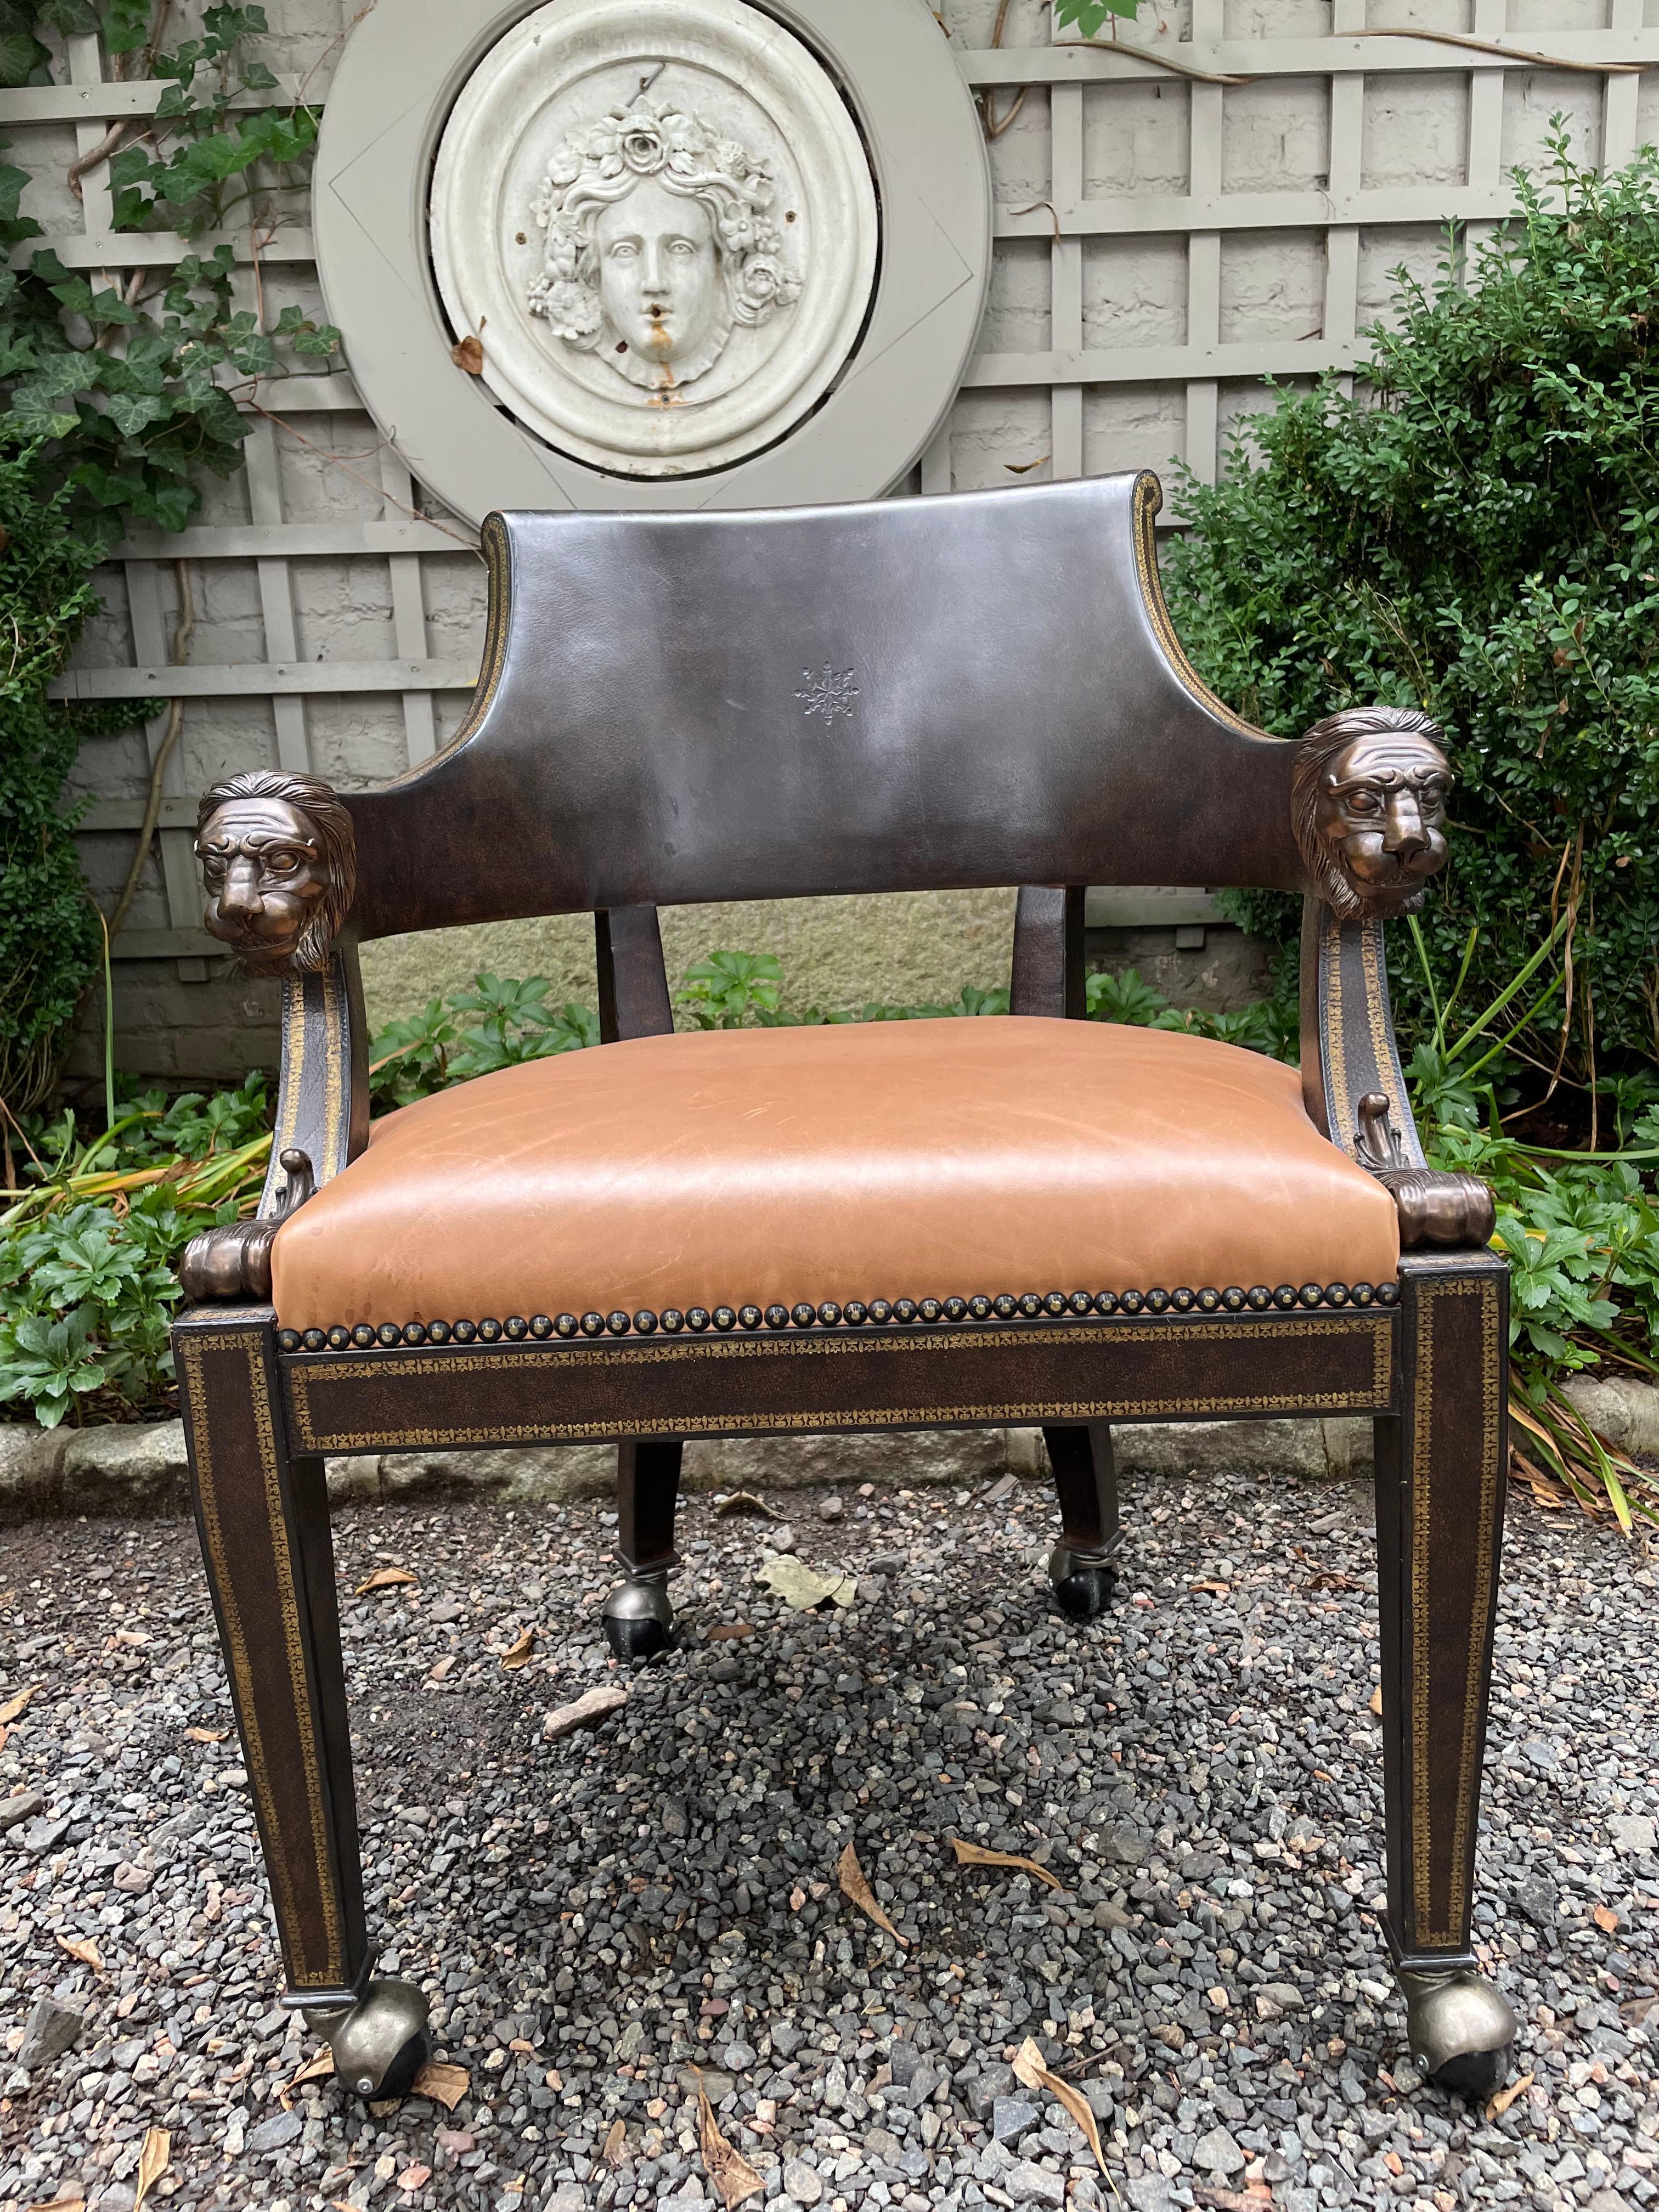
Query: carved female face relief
x,y
278,862
656,217
1370,800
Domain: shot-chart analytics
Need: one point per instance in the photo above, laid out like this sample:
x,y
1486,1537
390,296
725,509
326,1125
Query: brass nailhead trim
x,y
1052,1305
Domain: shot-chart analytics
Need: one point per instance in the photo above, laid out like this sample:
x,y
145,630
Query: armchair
x,y
1040,1220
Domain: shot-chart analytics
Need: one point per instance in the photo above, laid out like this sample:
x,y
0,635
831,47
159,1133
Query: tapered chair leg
x,y
638,1617
261,1515
1441,1465
1085,1475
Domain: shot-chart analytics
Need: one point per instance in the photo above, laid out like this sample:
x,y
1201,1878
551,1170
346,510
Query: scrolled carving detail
x,y
1368,804
234,1260
1435,1205
278,861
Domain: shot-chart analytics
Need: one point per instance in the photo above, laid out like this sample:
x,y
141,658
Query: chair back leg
x,y
1441,1470
1086,1476
261,1515
638,1617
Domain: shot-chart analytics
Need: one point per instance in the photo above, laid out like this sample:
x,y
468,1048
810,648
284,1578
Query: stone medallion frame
x,y
403,71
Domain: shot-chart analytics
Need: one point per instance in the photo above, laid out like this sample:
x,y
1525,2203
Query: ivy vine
x,y
116,396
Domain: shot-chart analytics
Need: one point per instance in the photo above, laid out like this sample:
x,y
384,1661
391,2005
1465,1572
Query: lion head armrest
x,y
1369,808
278,860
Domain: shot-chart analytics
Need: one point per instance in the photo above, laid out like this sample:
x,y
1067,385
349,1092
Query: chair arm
x,y
1368,801
278,860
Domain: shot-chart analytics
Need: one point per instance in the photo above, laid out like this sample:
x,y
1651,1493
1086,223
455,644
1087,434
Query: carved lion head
x,y
1369,808
279,861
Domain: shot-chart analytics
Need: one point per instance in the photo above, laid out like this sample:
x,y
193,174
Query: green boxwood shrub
x,y
1476,532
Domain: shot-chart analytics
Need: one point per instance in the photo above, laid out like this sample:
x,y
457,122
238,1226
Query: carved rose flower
x,y
643,149
764,283
572,310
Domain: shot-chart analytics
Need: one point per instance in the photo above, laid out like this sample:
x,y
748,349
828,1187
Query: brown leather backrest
x,y
974,689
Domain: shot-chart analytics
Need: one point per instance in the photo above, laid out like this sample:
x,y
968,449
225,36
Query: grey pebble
x,y
22,1807
1034,2184
51,2030
737,2057
802,2182
1010,2118
280,2129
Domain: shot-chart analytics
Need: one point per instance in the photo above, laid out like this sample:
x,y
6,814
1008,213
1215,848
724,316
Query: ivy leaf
x,y
20,54
126,26
76,19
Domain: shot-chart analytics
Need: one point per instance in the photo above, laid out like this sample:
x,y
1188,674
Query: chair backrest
x,y
974,689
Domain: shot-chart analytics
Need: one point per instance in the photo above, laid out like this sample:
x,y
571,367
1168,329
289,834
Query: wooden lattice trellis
x,y
1199,365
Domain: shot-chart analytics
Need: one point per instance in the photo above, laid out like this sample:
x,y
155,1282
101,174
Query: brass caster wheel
x,y
1460,2027
638,1618
381,2043
1083,1582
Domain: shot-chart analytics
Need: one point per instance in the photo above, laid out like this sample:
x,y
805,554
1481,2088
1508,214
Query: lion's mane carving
x,y
278,858
1368,807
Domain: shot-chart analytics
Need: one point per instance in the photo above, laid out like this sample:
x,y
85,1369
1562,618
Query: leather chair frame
x,y
1002,699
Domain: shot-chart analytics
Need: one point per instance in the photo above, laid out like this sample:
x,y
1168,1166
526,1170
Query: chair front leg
x,y
262,1515
1441,1467
1085,1477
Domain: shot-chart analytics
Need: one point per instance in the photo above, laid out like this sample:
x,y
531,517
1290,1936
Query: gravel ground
x,y
595,1916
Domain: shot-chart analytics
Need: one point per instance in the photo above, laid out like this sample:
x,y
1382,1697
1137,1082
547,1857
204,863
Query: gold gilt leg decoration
x,y
262,1515
1440,1478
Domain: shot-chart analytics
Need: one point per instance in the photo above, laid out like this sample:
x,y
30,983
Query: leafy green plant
x,y
1476,532
421,1052
1089,17
725,990
91,1240
1271,1026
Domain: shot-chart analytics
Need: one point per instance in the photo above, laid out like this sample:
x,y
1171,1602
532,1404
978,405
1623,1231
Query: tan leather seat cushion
x,y
893,1159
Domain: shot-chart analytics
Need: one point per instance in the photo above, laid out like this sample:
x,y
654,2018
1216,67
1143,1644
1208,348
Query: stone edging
x,y
142,1469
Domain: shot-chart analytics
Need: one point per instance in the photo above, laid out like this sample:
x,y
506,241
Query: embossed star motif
x,y
832,693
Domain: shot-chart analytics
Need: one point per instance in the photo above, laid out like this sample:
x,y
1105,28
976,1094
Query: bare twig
x,y
994,123
164,753
101,152
1159,61
334,461
1509,53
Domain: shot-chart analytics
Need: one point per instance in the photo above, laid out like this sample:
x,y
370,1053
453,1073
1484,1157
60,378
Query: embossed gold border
x,y
330,1972
320,1370
1148,499
494,546
1484,1287
1359,946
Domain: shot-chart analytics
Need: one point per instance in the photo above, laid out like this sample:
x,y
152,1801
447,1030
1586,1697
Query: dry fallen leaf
x,y
207,1735
385,1578
85,1950
727,1629
1500,2104
153,2162
745,1501
1030,2069
1376,1700
614,2151
314,2069
468,354
971,1855
803,1588
12,1707
444,2085
850,1874
521,1652
1215,1589
59,2204
728,2169
1605,1918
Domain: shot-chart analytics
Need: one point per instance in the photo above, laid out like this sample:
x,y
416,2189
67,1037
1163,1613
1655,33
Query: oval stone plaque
x,y
658,220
